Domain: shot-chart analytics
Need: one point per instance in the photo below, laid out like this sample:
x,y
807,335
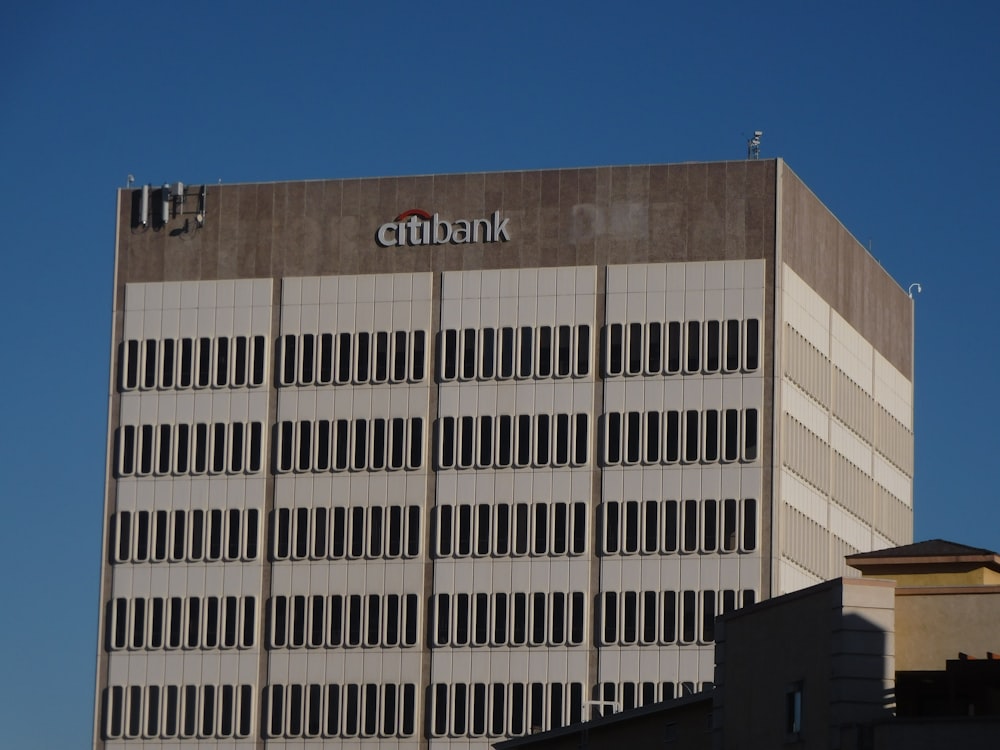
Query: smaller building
x,y
904,656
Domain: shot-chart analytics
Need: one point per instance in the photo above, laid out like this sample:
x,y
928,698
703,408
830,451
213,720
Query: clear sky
x,y
888,110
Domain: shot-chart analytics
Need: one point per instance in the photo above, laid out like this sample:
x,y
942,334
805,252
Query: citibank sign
x,y
417,227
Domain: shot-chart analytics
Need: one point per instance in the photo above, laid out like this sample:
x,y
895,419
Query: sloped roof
x,y
928,552
930,548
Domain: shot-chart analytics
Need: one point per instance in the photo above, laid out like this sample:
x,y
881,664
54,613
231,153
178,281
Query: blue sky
x,y
888,111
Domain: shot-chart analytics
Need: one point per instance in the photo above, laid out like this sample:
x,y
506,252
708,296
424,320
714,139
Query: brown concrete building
x,y
432,461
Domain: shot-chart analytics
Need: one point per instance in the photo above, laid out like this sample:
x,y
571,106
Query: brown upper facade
x,y
589,216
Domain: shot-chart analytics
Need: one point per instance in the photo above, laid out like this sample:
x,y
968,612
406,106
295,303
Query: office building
x,y
433,461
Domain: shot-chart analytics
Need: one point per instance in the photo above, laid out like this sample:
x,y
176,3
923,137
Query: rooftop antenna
x,y
753,145
130,181
914,288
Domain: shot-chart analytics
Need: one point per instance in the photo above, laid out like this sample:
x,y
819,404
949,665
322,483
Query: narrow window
x,y
654,349
613,438
614,350
397,443
449,354
612,531
669,621
499,619
693,346
541,529
149,364
164,450
416,443
649,631
362,357
630,612
691,443
236,447
413,531
689,616
526,353
732,345
288,360
336,637
752,344
381,366
635,348
326,355
690,526
167,363
129,364
378,444
185,375
197,534
583,350
524,440
399,351
219,448
446,452
674,341
562,440
338,535
713,346
729,541
542,440
308,358
502,529
357,532
342,444
505,439
750,435
631,543
467,440
485,441
212,621
651,526
487,353
419,346
544,369
609,614
463,546
507,351
483,532
469,354
731,435
521,523
323,444
711,432
360,444
633,437
581,440
579,528
749,525
355,615
498,715
344,358
519,619
332,710
710,525
182,445
146,449
259,361
373,632
560,528
564,351
222,361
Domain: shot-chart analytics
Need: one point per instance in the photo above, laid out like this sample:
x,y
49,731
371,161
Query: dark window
x,y
526,353
418,355
381,357
222,361
635,351
583,350
469,353
507,352
710,526
711,435
325,358
488,353
750,435
185,378
614,437
654,361
564,354
544,352
344,359
288,360
691,446
673,347
693,346
749,525
615,350
167,363
399,356
753,344
731,435
363,353
732,345
149,364
690,525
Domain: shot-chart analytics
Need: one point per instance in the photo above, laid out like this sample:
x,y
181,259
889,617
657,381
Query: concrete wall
x,y
935,624
834,640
